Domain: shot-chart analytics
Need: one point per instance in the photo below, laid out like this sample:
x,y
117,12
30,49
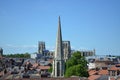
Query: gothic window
x,y
58,69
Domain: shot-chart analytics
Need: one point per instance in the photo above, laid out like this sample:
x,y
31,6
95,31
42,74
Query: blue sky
x,y
88,24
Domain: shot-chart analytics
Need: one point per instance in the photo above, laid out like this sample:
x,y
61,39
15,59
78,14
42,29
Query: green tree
x,y
76,65
50,70
25,55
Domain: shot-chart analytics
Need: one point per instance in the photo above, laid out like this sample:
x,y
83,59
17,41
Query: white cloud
x,y
21,46
51,48
73,47
9,48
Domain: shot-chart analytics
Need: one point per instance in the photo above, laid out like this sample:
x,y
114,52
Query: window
x,y
58,69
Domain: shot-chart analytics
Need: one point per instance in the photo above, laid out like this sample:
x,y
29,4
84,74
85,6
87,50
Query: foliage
x,y
76,65
50,70
77,70
118,57
25,55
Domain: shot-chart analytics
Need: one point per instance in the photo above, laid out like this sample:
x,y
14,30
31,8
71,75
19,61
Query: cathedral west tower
x,y
58,62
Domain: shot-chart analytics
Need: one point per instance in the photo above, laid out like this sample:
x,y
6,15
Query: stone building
x,y
41,47
1,52
58,62
66,49
114,70
87,53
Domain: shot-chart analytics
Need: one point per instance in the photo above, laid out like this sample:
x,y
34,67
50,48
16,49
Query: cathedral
x,y
1,52
58,62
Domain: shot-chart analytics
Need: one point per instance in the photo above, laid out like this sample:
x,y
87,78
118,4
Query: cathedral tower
x,y
58,63
41,47
1,52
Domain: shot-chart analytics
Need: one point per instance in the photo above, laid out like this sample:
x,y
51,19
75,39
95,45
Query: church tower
x,y
1,52
58,62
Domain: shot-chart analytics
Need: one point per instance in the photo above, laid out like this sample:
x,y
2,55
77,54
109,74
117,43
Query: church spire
x,y
58,48
58,63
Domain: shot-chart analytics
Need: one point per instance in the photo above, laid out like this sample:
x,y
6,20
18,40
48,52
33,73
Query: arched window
x,y
58,69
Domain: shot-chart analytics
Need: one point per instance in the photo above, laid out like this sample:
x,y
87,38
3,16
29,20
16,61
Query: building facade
x,y
1,52
58,62
87,53
66,50
41,47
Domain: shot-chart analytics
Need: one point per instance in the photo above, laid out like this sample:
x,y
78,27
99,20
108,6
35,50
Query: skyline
x,y
87,25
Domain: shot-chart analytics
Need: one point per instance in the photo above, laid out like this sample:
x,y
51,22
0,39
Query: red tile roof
x,y
113,68
112,78
35,64
103,72
93,77
92,72
43,67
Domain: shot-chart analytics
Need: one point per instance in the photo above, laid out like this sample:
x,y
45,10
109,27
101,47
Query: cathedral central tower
x,y
58,63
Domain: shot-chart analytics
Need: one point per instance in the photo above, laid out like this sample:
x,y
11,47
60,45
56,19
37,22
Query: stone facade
x,y
88,53
1,52
41,47
66,50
